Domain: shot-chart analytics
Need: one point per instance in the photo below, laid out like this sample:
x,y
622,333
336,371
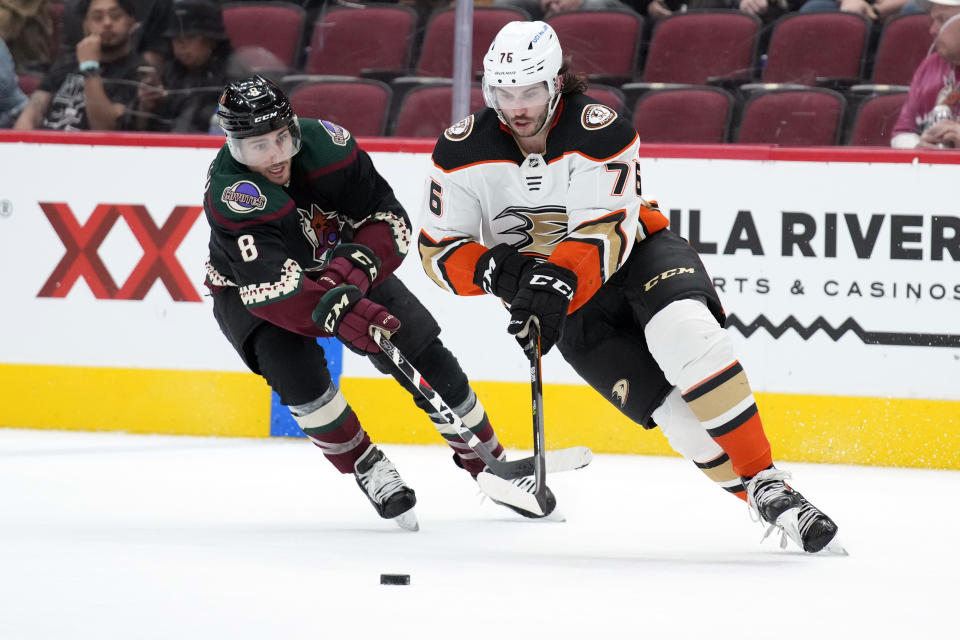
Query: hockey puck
x,y
394,578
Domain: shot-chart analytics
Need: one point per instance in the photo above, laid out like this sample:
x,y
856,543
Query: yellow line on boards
x,y
134,400
803,428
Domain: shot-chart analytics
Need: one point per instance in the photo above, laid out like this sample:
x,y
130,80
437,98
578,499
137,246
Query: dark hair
x,y
127,5
572,82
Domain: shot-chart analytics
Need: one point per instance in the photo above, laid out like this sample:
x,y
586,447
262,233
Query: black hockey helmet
x,y
253,107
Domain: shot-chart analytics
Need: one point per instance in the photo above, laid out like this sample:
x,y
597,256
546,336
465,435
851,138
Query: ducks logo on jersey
x,y
597,116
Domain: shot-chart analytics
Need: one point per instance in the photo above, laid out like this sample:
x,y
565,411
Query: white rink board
x,y
157,332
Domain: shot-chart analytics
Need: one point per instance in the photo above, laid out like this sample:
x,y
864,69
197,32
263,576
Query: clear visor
x,y
267,149
522,97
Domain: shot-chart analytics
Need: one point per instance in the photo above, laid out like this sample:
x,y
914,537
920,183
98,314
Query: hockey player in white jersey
x,y
537,200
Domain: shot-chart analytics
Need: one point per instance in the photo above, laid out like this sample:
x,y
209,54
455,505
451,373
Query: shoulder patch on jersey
x,y
597,116
338,134
243,196
460,130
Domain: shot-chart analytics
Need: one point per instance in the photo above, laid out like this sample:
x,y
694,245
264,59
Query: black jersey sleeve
x,y
335,166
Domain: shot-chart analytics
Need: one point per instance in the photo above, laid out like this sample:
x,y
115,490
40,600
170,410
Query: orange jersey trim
x,y
582,259
459,266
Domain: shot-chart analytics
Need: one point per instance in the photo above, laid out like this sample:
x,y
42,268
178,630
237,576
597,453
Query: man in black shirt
x,y
91,87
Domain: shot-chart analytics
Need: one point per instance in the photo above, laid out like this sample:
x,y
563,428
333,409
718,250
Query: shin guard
x,y
696,356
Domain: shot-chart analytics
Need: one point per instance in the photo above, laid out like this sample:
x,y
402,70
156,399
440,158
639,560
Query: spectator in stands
x,y
26,28
91,87
873,9
543,9
184,97
928,119
12,100
769,10
151,17
662,8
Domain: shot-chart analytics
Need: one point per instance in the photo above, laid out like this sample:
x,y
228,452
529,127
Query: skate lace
x,y
763,487
808,515
381,481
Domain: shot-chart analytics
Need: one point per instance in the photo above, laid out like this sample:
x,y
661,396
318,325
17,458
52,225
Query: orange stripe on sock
x,y
748,447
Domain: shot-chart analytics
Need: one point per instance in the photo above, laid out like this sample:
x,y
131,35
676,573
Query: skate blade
x,y
407,521
834,548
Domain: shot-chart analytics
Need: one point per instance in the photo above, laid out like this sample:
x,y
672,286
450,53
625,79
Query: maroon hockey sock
x,y
342,442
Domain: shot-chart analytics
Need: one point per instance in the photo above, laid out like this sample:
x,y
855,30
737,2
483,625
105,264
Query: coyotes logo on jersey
x,y
322,229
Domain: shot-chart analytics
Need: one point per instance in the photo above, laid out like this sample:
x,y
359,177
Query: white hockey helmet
x,y
523,54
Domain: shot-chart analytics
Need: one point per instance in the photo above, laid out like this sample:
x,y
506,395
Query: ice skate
x,y
517,495
388,493
779,506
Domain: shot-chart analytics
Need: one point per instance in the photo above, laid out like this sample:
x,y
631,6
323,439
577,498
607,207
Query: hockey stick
x,y
536,388
560,460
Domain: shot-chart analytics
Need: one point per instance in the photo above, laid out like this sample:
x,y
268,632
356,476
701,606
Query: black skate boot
x,y
387,492
786,510
817,530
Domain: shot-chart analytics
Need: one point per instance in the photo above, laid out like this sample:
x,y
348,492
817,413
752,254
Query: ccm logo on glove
x,y
544,281
332,318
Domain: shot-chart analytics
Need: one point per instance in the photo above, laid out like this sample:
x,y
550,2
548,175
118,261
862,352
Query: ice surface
x,y
106,535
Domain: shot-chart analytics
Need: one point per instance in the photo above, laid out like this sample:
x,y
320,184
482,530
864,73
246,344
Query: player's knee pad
x,y
688,343
683,431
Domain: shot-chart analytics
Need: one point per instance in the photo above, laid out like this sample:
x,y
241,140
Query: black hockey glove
x,y
351,264
544,298
345,313
500,270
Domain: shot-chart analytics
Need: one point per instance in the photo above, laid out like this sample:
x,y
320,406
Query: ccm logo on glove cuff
x,y
332,306
360,256
543,281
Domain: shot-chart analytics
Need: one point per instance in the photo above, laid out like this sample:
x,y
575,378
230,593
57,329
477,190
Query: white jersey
x,y
579,204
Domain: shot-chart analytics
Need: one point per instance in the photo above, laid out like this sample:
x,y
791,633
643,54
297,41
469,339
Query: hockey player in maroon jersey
x,y
305,236
537,200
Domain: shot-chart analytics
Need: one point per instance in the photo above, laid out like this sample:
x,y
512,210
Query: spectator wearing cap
x,y
928,119
183,98
151,17
91,87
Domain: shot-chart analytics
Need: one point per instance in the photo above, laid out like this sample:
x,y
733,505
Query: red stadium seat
x,y
904,44
425,111
358,105
807,46
334,47
684,115
600,43
275,26
688,48
436,54
876,116
792,117
610,96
